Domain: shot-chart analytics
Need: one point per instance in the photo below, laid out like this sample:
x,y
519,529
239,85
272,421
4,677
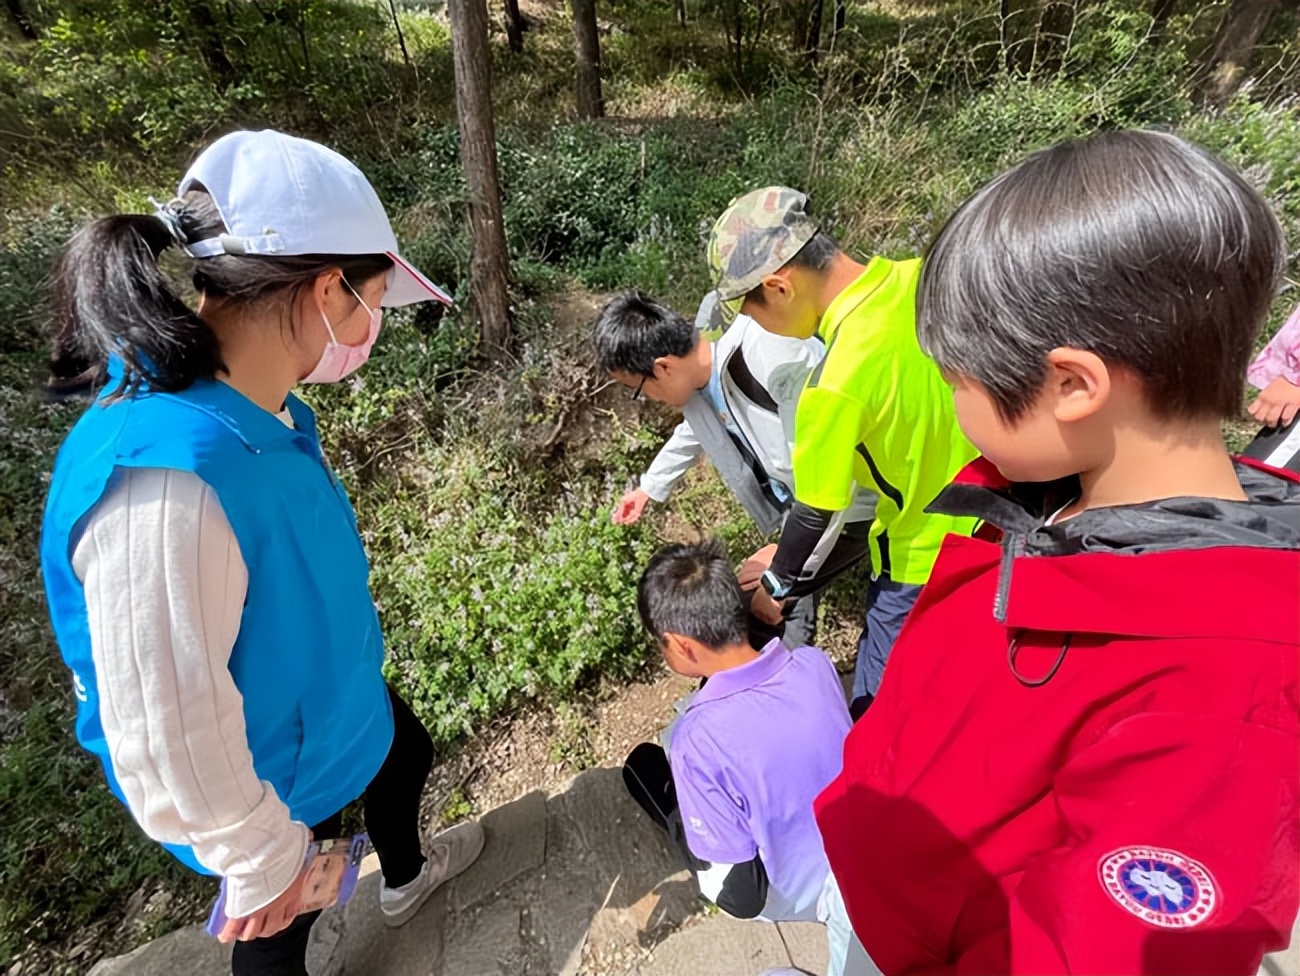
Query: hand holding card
x,y
328,877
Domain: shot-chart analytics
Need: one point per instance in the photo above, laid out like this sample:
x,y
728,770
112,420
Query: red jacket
x,y
1085,754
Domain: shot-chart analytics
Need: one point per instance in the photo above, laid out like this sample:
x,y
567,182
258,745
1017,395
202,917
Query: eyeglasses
x,y
636,394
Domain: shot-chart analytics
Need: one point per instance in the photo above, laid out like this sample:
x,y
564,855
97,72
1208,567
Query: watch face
x,y
770,582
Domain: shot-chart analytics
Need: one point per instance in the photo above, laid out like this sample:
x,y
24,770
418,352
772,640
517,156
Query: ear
x,y
664,365
778,286
682,654
1078,383
326,288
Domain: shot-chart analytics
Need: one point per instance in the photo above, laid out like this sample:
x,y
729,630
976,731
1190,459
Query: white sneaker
x,y
450,853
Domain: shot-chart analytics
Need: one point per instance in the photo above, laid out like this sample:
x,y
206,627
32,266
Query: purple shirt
x,y
1281,357
756,745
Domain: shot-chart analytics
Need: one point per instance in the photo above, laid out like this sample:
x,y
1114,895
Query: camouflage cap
x,y
757,234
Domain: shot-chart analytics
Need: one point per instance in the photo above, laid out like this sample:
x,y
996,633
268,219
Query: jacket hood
x,y
1269,518
1185,567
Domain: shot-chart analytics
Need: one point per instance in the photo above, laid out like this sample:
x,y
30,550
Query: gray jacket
x,y
781,367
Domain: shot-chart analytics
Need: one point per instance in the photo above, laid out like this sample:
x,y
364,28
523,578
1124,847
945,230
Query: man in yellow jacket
x,y
876,412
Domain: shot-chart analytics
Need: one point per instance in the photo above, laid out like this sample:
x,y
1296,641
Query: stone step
x,y
721,946
577,883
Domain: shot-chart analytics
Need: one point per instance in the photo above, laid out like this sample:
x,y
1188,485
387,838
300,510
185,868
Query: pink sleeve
x,y
1281,357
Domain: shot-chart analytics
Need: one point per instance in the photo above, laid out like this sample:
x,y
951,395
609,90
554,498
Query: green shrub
x,y
1264,140
497,572
27,252
69,850
488,595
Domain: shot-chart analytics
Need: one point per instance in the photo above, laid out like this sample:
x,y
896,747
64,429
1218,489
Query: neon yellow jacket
x,y
876,411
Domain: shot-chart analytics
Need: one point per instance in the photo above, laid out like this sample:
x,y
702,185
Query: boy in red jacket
x,y
1085,754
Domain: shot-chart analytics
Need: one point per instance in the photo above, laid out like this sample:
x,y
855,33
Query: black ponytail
x,y
110,298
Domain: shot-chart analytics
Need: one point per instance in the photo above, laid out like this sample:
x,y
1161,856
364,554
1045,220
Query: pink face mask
x,y
338,361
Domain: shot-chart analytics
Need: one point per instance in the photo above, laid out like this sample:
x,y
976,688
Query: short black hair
x,y
816,255
634,330
691,590
1134,245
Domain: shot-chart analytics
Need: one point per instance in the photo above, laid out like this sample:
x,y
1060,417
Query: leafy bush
x,y
497,572
27,253
487,596
620,207
155,80
1264,140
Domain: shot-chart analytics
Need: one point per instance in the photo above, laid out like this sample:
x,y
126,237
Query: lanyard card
x,y
332,868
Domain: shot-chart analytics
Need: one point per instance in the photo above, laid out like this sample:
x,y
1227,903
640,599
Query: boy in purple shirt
x,y
754,746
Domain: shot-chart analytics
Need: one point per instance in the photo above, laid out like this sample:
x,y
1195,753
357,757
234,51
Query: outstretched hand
x,y
630,507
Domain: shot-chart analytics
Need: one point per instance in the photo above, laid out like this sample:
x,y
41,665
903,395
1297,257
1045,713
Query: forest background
x,y
481,447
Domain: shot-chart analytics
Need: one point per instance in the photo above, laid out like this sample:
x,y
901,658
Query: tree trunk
x,y
1055,28
739,39
207,36
1234,43
490,263
1161,11
681,12
514,26
401,38
798,13
586,43
758,32
18,16
300,25
813,42
1018,23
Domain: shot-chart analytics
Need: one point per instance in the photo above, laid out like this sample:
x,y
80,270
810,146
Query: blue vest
x,y
308,655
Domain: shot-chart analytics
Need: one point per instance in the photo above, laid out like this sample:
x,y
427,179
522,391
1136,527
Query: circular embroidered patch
x,y
1163,888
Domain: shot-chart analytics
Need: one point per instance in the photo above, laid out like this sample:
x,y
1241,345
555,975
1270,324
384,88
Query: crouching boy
x,y
1085,754
755,745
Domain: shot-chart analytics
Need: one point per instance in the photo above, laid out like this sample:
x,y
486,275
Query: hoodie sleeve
x,y
678,455
1178,853
165,585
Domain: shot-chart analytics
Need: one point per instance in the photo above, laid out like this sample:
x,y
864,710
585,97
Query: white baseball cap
x,y
281,195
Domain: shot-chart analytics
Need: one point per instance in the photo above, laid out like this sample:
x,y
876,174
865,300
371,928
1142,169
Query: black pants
x,y
649,779
392,809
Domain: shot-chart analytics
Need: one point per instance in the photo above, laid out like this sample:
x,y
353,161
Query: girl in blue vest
x,y
206,581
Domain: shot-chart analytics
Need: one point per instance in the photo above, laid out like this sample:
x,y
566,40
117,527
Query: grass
x,y
457,808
